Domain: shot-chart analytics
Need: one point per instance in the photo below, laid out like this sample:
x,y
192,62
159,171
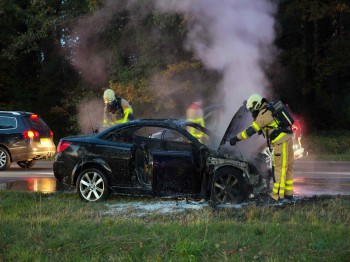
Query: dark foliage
x,y
38,72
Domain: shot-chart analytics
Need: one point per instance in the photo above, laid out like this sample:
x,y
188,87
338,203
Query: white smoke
x,y
90,112
234,37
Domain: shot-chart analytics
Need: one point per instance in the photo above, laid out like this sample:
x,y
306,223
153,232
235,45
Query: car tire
x,y
26,163
5,159
92,185
228,186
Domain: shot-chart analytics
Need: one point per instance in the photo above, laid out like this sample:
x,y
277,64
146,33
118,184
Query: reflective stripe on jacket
x,y
265,122
195,132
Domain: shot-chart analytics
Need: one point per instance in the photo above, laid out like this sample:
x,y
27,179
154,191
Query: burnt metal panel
x,y
174,173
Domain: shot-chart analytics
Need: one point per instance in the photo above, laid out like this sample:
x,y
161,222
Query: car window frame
x,y
185,139
115,132
12,128
137,137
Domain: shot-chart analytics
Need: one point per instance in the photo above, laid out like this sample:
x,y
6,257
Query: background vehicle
x,y
154,158
24,138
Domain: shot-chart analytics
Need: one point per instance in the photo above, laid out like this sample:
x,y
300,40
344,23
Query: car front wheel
x,y
92,185
5,160
228,186
26,163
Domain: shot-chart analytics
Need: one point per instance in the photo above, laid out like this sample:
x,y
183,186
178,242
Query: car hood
x,y
238,123
249,147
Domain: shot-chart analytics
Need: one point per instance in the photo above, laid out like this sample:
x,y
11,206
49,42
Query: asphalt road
x,y
310,178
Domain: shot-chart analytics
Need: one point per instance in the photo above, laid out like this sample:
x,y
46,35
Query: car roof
x,y
175,121
17,113
157,121
167,122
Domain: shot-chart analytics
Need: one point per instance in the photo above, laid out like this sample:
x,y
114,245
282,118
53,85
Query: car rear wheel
x,y
26,163
92,185
228,186
5,159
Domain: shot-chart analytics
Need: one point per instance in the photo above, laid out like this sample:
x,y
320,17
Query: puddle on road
x,y
44,185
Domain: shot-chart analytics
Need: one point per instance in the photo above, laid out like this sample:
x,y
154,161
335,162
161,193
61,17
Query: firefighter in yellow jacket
x,y
282,144
194,113
117,110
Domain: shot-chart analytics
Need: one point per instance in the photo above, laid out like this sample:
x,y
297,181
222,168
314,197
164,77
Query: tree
x,y
314,38
34,72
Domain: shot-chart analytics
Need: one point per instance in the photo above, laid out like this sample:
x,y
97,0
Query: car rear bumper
x,y
63,172
33,153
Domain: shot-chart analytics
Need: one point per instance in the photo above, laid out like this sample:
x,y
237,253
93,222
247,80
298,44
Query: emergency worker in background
x,y
117,110
282,144
194,113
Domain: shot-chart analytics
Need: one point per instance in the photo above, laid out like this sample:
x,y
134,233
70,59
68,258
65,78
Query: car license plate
x,y
45,141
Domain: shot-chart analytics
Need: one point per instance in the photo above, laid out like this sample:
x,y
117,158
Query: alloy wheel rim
x,y
226,188
2,158
268,157
92,186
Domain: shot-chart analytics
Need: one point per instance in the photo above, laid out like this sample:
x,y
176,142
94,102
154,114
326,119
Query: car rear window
x,y
8,122
36,123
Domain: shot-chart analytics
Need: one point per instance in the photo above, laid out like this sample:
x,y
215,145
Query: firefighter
x,y
281,142
194,113
117,110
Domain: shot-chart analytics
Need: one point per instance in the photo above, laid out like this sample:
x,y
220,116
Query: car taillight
x,y
51,134
294,128
31,134
33,116
62,146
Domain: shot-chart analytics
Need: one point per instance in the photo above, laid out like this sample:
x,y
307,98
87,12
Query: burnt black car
x,y
158,158
24,138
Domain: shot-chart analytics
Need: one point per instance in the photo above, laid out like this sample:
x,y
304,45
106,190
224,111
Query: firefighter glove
x,y
233,141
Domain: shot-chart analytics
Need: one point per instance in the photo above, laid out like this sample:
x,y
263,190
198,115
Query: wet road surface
x,y
321,178
310,178
39,178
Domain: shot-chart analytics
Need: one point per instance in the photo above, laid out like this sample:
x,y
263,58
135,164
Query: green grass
x,y
331,145
60,227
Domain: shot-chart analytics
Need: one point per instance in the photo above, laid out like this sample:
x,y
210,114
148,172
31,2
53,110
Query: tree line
x,y
40,70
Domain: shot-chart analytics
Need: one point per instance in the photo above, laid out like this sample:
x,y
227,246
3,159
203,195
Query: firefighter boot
x,y
274,196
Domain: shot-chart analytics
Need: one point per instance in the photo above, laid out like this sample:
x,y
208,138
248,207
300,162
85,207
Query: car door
x,y
175,166
11,136
117,149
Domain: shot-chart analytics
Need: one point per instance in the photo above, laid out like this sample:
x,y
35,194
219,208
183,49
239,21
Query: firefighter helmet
x,y
108,96
254,102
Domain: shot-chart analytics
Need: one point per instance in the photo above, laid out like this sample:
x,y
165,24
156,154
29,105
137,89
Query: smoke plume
x,y
90,112
233,37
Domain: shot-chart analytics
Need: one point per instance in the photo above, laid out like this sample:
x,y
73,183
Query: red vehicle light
x,y
294,128
62,146
34,116
51,134
31,134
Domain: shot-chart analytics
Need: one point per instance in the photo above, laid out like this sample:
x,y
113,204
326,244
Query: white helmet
x,y
108,96
254,102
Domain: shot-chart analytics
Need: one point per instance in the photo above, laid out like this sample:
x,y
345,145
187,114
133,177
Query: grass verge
x,y
330,145
60,227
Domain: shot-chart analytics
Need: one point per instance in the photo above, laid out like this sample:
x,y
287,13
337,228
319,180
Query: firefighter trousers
x,y
283,170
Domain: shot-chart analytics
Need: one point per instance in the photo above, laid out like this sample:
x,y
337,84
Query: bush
x,y
331,142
